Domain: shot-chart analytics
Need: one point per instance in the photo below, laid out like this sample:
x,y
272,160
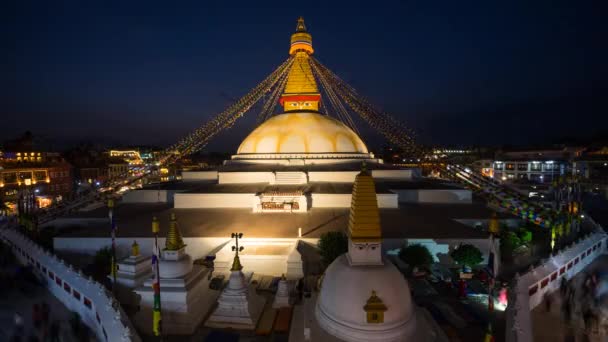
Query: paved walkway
x,y
550,325
16,301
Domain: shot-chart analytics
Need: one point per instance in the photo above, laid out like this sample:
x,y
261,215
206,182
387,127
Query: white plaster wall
x,y
189,201
199,175
392,174
518,317
455,196
344,200
245,177
145,196
196,247
333,177
112,325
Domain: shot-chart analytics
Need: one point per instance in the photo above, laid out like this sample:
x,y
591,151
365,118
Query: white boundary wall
x,y
529,288
96,306
191,201
343,200
199,175
456,196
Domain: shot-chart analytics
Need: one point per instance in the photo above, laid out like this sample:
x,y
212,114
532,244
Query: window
x,y
510,166
67,287
532,290
87,303
562,270
554,276
536,166
58,281
43,269
522,167
37,265
576,261
544,283
51,275
570,265
76,294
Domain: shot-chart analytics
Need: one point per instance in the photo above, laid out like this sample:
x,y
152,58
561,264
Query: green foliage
x,y
332,245
416,255
525,236
467,255
103,260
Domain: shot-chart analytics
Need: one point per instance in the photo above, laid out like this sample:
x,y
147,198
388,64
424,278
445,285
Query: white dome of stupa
x,y
345,291
302,133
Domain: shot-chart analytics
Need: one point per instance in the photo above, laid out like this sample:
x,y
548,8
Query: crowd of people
x,y
44,329
580,300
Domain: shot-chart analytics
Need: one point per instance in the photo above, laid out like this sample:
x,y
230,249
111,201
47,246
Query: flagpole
x,y
156,310
113,234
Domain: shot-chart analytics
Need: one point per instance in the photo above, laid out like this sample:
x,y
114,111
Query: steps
x,y
289,177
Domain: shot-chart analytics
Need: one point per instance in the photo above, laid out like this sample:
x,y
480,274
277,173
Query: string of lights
x,y
271,103
202,135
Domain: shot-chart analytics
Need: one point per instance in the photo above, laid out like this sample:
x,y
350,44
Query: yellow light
x,y
28,182
48,180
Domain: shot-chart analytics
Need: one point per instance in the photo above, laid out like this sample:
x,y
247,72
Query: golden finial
x,y
155,225
236,263
134,249
174,237
494,226
301,27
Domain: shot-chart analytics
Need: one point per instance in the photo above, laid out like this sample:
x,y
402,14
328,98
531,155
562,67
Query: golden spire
x,y
134,249
364,219
301,91
174,237
494,226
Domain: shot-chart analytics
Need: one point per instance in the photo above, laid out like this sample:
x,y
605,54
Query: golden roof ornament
x,y
375,308
494,226
364,218
236,263
135,249
174,237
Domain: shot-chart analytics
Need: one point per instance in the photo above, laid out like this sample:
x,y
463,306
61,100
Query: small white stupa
x,y
184,289
239,307
281,299
132,272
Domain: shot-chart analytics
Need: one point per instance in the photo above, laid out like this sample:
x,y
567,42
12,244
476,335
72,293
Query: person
x,y
548,300
46,310
18,324
54,332
502,296
36,316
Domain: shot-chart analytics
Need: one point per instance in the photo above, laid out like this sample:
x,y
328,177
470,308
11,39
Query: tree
x,y
467,255
525,236
416,255
332,245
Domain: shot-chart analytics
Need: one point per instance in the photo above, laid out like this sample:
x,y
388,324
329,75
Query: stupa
x,y
239,307
132,272
363,296
185,294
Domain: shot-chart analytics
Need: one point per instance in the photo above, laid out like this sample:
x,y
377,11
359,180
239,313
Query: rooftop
x,y
409,221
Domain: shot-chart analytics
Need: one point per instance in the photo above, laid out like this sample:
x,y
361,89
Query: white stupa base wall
x,y
267,257
184,302
451,196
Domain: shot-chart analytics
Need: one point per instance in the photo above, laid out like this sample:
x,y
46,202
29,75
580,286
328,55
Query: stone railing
x,y
97,307
527,290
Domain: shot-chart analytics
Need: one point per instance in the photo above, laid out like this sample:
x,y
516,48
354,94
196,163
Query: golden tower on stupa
x,y
301,91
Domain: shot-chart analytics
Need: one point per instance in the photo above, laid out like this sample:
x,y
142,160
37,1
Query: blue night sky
x,y
458,72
